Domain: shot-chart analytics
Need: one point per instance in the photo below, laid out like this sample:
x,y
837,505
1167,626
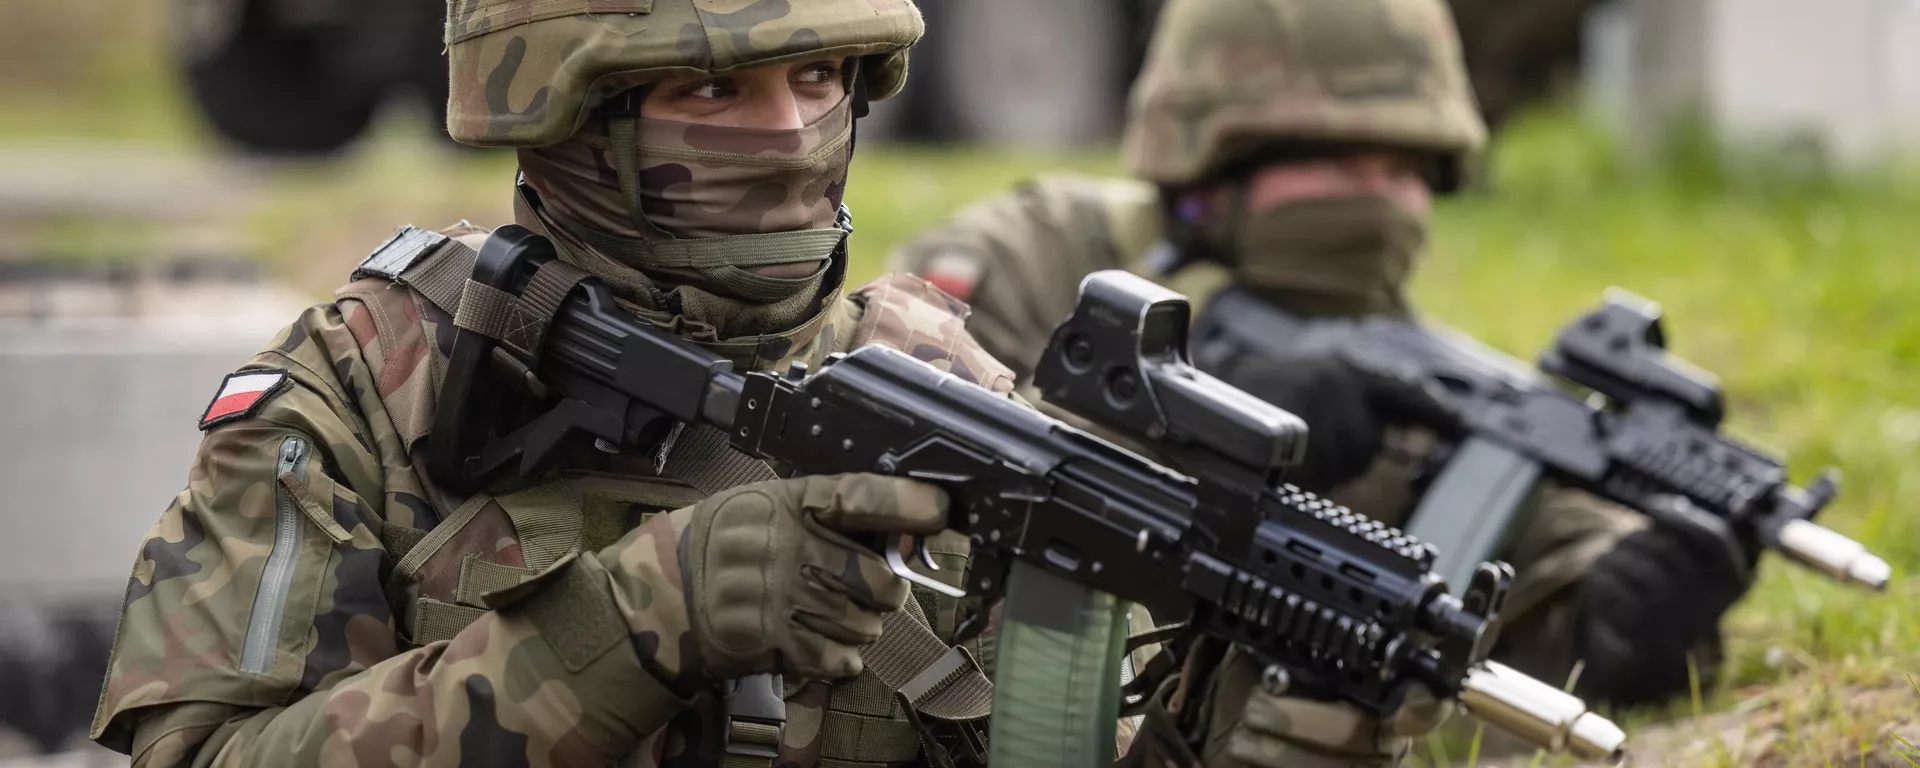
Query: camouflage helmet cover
x,y
1227,79
527,73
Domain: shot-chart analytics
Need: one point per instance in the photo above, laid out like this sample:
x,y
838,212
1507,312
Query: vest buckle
x,y
755,723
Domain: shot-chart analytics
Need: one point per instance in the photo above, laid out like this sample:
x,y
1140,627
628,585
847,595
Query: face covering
x,y
675,216
1341,255
701,204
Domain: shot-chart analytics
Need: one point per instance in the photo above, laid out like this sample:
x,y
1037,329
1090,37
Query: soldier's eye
x,y
716,88
817,73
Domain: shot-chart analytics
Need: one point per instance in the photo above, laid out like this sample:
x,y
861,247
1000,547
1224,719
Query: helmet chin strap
x,y
857,88
622,116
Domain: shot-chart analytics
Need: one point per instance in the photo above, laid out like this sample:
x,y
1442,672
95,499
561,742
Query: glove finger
x,y
848,625
855,575
816,656
1400,392
1708,539
877,504
1297,384
1640,564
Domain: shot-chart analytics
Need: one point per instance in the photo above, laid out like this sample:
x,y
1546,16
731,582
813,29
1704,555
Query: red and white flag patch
x,y
955,272
241,394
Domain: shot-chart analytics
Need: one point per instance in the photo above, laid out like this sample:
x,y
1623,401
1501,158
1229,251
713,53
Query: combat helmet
x,y
528,73
1227,81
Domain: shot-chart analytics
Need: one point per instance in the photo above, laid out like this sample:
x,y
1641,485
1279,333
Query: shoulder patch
x,y
399,252
954,270
241,395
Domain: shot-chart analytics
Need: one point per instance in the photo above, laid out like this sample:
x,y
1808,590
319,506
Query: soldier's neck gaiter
x,y
685,220
703,205
1342,255
750,333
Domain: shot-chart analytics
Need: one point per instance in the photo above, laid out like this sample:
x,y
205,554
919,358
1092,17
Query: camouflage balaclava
x,y
1345,255
677,217
1230,86
694,182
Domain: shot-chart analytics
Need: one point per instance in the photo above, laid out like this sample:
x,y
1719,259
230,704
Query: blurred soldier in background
x,y
1292,148
312,597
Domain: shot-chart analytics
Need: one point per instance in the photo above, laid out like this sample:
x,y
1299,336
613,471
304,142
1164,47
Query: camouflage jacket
x,y
272,609
1019,258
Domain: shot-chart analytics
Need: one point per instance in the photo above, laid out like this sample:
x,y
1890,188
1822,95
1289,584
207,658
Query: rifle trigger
x,y
900,568
926,558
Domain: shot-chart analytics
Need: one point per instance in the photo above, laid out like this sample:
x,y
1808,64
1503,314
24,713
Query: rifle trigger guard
x,y
900,568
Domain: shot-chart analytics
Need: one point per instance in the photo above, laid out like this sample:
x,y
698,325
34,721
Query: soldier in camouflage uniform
x,y
314,597
1291,147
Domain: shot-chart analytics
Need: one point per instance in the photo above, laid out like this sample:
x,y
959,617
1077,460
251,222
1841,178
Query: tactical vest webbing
x,y
872,721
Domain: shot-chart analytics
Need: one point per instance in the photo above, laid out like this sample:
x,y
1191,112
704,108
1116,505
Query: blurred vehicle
x,y
306,77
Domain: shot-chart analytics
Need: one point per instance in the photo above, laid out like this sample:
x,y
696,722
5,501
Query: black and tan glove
x,y
768,577
1347,401
1651,606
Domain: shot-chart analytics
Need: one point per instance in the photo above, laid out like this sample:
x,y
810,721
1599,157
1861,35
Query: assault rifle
x,y
1063,524
1648,439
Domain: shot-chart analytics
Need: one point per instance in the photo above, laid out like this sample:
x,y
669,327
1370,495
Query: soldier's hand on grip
x,y
1653,600
774,582
1347,402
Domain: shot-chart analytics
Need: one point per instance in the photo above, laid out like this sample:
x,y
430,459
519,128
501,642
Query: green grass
x,y
1799,292
1798,288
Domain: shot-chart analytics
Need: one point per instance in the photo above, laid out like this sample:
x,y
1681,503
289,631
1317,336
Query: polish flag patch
x,y
954,272
241,394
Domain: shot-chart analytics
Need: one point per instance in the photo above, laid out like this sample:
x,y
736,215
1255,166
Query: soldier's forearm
x,y
499,693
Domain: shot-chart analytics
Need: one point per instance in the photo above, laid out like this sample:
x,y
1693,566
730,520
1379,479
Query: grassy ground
x,y
1798,289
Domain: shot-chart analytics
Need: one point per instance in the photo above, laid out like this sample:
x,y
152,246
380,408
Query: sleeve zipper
x,y
270,602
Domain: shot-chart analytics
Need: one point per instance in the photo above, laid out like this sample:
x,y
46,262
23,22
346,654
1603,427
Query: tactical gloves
x,y
774,582
1347,402
1653,601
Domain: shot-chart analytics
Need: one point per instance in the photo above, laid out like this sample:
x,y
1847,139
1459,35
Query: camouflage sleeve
x,y
1018,258
1568,531
257,627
